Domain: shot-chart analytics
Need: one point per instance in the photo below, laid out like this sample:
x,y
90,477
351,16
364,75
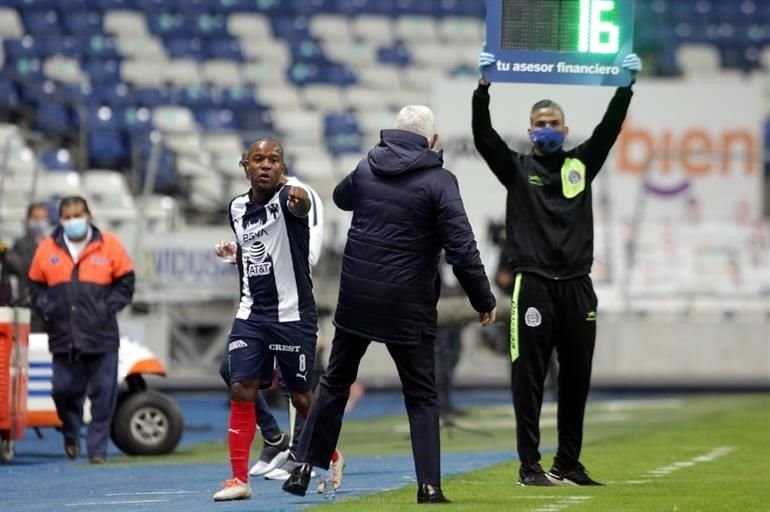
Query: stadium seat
x,y
456,30
10,24
82,22
373,29
42,22
221,72
250,26
173,119
353,54
124,23
263,74
143,73
322,97
57,159
141,47
216,120
698,60
416,29
182,72
58,184
330,28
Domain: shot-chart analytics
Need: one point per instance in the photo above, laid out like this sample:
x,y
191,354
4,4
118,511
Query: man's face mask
x,y
75,228
547,139
39,227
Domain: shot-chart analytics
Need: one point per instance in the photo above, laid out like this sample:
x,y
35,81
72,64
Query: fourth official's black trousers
x,y
546,315
415,365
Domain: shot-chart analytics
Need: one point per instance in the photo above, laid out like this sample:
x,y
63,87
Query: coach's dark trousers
x,y
415,364
548,314
74,377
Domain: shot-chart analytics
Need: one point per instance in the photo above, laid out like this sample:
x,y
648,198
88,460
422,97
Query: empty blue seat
x,y
99,46
397,54
103,72
223,48
195,97
312,7
9,97
238,97
204,25
258,121
184,48
107,149
307,50
43,22
37,4
117,96
106,5
54,118
58,159
24,48
165,24
344,123
337,74
269,7
151,97
217,119
82,22
76,93
292,29
152,6
136,120
301,73
417,8
29,68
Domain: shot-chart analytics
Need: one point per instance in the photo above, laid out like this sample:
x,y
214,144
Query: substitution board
x,y
560,41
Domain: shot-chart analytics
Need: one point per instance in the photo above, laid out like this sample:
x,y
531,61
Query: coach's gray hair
x,y
417,119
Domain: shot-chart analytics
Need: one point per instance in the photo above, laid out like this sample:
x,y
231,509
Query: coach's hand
x,y
486,60
633,64
488,318
227,250
299,201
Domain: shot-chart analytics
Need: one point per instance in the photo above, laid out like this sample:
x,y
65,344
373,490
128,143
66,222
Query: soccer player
x,y
277,318
549,226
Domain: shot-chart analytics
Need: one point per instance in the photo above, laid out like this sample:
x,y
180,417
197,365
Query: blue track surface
x,y
40,479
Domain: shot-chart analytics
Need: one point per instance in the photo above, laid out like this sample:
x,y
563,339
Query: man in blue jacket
x,y
406,209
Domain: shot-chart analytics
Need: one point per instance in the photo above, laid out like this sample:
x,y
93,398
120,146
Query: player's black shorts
x,y
253,346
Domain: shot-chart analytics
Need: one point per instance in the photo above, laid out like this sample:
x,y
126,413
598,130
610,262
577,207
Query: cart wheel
x,y
7,450
147,423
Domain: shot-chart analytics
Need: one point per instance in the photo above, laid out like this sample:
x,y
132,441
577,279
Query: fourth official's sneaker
x,y
274,454
234,489
577,476
533,476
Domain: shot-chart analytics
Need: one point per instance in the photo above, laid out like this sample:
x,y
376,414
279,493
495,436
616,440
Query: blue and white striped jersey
x,y
273,259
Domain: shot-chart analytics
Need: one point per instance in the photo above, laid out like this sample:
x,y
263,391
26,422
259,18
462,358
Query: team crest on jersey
x,y
532,317
574,176
258,265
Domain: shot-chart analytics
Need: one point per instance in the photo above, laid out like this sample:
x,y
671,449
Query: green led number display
x,y
598,34
581,26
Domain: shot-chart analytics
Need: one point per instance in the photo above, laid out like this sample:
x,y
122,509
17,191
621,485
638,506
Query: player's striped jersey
x,y
273,260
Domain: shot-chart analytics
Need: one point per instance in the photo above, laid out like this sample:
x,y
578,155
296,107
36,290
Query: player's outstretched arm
x,y
298,202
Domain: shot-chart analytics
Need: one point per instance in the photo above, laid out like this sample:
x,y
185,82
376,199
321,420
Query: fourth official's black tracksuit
x,y
549,229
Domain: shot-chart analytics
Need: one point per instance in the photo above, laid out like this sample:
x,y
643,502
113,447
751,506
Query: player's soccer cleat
x,y
427,493
533,476
577,476
273,455
298,480
335,474
234,489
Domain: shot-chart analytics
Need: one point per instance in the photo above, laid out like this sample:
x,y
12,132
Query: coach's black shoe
x,y
533,475
71,448
298,480
577,476
427,493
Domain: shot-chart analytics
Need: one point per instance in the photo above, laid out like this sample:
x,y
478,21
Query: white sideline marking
x,y
562,503
149,493
675,466
101,503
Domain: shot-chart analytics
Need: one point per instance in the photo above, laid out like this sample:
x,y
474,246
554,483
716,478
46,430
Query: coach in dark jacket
x,y
406,208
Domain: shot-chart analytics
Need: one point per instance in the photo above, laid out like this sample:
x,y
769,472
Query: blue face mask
x,y
75,228
38,227
547,139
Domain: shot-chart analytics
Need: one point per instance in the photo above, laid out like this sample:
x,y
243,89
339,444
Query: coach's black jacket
x,y
406,208
549,218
